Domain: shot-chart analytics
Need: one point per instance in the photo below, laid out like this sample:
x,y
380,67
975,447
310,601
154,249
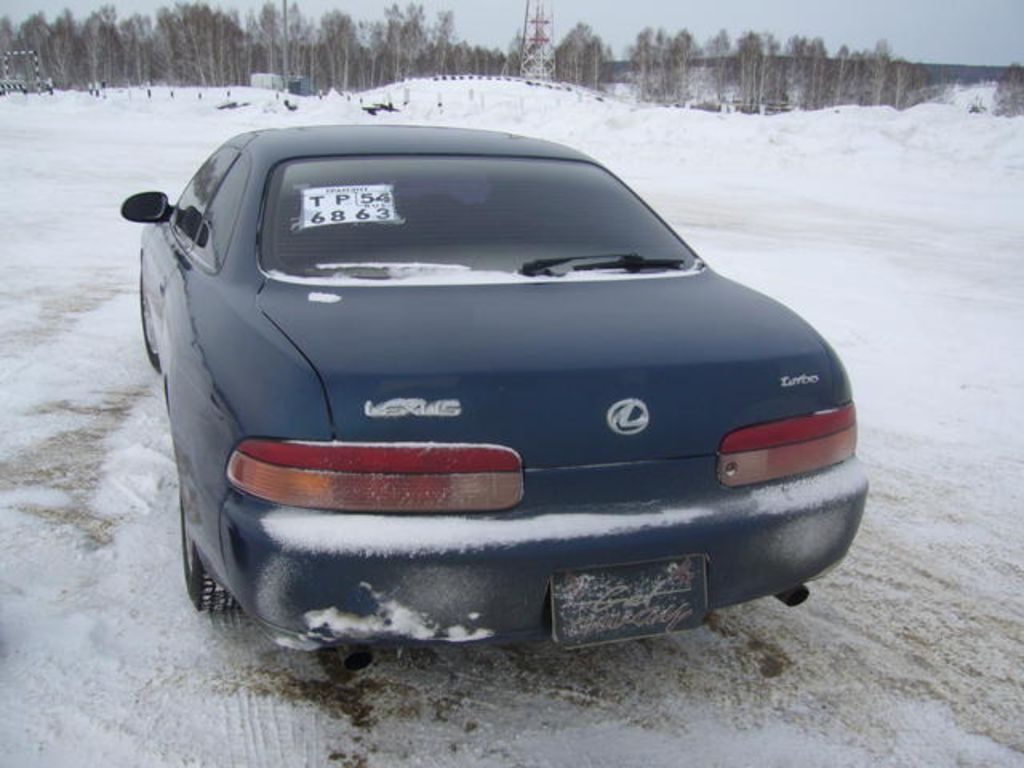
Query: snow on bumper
x,y
318,578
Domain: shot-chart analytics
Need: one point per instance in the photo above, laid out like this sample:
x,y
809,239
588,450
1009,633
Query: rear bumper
x,y
315,578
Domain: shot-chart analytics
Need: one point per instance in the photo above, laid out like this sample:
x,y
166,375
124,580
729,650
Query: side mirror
x,y
147,208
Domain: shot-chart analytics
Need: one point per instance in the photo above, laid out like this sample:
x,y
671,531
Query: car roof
x,y
274,145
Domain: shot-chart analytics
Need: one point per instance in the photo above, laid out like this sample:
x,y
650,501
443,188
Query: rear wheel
x,y
204,593
154,358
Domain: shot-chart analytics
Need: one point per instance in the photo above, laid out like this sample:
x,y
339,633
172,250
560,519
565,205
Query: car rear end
x,y
585,455
323,577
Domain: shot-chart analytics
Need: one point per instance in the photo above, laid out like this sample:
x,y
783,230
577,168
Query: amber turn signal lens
x,y
376,477
788,447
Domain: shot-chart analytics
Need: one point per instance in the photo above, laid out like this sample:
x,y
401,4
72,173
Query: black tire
x,y
204,593
154,358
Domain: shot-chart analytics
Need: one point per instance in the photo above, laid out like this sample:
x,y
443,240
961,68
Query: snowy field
x,y
899,235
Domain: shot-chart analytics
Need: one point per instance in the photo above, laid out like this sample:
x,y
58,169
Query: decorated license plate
x,y
600,605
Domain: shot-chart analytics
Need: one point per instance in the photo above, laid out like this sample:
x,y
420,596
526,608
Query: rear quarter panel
x,y
229,373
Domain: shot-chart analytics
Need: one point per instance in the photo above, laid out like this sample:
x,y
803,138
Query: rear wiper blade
x,y
631,262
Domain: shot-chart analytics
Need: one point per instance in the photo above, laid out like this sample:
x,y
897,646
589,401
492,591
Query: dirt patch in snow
x,y
70,462
360,697
58,313
771,659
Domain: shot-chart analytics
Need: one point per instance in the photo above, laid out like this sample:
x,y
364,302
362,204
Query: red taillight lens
x,y
379,477
788,447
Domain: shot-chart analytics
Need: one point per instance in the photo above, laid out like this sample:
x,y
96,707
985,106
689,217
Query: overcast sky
x,y
942,31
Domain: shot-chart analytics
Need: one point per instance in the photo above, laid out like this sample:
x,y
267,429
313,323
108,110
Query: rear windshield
x,y
332,216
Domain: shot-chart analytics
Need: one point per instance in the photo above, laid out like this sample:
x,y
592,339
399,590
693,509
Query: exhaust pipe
x,y
793,597
359,657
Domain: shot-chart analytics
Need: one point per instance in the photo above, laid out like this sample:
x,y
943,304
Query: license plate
x,y
601,605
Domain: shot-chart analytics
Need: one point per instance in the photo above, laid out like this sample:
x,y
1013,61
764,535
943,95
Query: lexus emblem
x,y
628,417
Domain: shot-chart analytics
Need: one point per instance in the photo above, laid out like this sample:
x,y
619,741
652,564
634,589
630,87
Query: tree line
x,y
756,72
193,43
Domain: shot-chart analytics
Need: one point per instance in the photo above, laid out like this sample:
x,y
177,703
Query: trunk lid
x,y
537,367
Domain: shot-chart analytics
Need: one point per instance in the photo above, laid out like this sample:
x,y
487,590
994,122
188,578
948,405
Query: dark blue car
x,y
437,385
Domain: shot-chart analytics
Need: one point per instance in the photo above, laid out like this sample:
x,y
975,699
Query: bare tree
x,y
880,71
841,75
641,56
717,50
269,32
750,53
405,39
64,57
580,57
771,88
6,33
442,37
339,48
1010,92
136,33
683,49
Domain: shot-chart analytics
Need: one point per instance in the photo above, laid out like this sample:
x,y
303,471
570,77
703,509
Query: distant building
x,y
297,85
266,80
300,85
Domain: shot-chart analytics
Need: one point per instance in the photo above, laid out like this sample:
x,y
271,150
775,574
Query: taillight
x,y
788,447
379,477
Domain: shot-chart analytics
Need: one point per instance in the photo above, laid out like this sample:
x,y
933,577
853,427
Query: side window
x,y
222,211
188,213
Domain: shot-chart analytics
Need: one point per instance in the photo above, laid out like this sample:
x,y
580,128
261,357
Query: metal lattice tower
x,y
538,52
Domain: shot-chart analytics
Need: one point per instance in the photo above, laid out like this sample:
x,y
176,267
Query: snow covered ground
x,y
899,235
